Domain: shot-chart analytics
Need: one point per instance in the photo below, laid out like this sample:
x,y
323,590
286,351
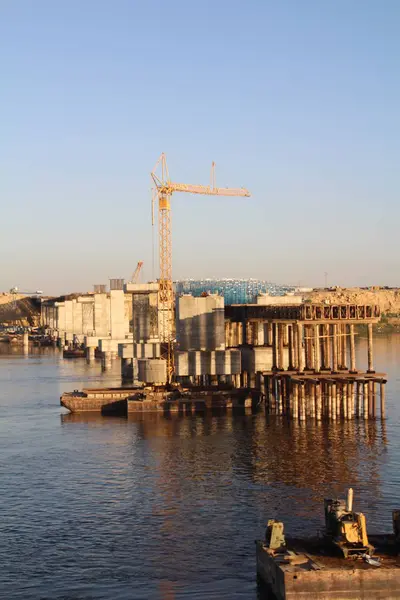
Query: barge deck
x,y
158,399
306,569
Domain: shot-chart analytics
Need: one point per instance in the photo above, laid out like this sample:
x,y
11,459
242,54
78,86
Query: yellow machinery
x,y
164,190
274,536
345,528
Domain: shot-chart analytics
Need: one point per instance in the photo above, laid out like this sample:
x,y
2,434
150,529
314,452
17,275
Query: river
x,y
109,508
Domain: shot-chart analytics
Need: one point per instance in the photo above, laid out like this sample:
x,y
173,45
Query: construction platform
x,y
306,569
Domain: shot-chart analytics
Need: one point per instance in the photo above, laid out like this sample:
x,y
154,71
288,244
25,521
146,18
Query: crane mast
x,y
164,190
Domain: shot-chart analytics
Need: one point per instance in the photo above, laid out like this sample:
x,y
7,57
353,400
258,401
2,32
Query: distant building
x,y
234,291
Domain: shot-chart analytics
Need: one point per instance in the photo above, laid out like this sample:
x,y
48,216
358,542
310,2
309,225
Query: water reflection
x,y
166,507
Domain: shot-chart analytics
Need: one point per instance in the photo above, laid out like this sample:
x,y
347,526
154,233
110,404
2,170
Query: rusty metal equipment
x,y
274,536
346,529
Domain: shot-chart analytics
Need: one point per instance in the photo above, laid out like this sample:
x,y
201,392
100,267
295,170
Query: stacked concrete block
x,y
117,314
125,350
145,313
87,314
152,371
199,363
95,315
200,323
207,362
148,350
102,325
260,358
227,362
69,320
182,364
128,313
288,299
77,329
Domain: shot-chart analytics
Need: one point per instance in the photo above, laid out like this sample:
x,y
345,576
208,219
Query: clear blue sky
x,y
298,100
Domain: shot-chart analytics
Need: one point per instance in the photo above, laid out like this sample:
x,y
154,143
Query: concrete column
x,y
310,347
370,399
294,349
350,408
365,399
89,354
374,398
339,346
358,398
344,399
25,340
327,347
317,359
352,350
243,332
285,331
300,354
260,334
266,390
269,334
334,348
106,361
344,346
318,392
302,402
290,343
334,401
295,401
227,334
274,346
281,329
370,350
382,395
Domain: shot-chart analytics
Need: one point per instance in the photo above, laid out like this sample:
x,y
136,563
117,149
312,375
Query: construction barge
x,y
162,399
342,563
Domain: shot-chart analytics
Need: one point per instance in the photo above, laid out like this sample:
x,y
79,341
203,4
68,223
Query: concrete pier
x,y
313,372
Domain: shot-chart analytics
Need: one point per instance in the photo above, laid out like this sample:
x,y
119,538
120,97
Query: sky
x,y
298,101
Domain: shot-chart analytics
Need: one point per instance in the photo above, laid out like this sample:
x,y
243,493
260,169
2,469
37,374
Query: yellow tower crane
x,y
164,189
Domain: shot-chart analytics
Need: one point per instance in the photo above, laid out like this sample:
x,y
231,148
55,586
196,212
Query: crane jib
x,y
207,190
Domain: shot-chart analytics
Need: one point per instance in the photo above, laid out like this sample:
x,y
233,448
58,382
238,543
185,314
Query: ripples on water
x,y
96,507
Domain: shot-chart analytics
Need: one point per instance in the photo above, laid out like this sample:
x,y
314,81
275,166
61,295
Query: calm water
x,y
167,508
